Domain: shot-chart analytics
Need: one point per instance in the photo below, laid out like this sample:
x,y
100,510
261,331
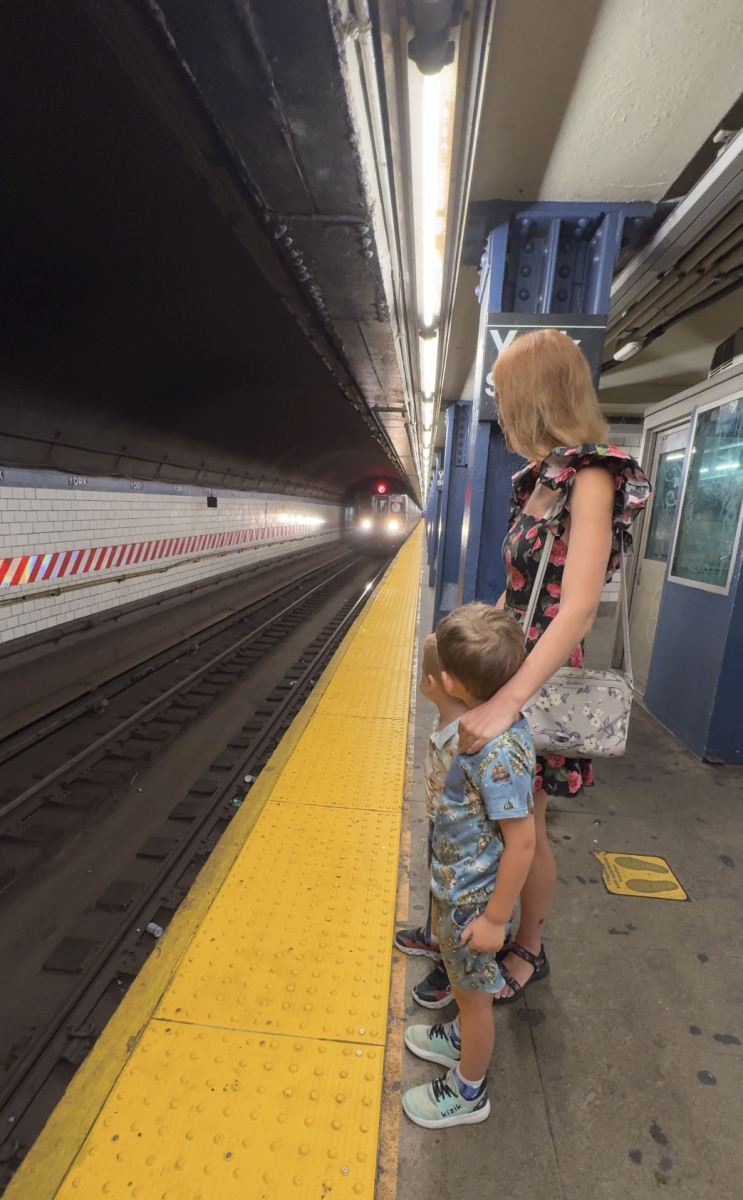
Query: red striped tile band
x,y
61,564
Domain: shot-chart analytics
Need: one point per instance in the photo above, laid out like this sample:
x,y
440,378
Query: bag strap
x,y
536,590
539,580
624,602
542,568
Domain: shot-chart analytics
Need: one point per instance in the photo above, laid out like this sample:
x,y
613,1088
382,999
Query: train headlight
x,y
366,523
393,526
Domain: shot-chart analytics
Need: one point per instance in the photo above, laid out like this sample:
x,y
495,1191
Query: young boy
x,y
435,990
483,844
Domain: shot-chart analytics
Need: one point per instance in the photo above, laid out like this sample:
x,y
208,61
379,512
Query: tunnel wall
x,y
72,545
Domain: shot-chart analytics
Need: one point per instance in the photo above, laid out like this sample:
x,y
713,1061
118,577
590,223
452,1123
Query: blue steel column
x,y
453,488
544,265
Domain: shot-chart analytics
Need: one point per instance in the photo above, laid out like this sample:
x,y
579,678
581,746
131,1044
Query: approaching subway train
x,y
380,515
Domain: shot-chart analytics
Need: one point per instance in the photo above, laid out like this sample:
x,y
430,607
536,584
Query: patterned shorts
x,y
468,970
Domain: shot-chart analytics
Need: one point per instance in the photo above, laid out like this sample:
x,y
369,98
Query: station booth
x,y
686,604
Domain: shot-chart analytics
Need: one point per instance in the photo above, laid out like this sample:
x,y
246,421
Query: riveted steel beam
x,y
543,265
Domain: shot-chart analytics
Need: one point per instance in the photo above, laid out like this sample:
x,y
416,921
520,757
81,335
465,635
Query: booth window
x,y
665,499
708,531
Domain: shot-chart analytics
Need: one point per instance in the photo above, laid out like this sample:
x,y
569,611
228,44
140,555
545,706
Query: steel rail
x,y
159,702
52,722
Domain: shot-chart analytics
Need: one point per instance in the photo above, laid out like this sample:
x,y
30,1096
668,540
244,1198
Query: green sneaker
x,y
439,1104
433,1043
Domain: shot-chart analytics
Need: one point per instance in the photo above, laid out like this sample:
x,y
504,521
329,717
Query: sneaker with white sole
x,y
414,941
439,1105
435,990
432,1042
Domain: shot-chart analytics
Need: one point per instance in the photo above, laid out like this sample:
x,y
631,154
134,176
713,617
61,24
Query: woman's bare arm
x,y
589,548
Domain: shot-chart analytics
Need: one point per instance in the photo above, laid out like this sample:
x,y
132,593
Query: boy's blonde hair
x,y
430,664
481,646
545,395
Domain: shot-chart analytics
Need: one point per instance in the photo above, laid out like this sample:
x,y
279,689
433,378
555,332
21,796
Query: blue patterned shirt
x,y
480,791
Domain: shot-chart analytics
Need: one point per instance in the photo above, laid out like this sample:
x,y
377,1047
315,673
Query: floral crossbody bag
x,y
581,713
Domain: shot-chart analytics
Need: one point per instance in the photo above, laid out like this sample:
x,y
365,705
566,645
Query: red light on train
x,y
381,488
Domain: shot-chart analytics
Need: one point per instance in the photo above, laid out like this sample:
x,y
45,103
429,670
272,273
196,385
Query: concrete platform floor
x,y
620,1076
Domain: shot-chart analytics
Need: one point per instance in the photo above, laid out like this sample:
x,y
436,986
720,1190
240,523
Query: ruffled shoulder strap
x,y
523,484
560,468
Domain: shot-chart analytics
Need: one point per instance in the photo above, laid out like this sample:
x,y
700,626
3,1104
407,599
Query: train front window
x,y
382,504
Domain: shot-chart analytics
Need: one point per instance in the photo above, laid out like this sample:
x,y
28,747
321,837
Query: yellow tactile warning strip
x,y
206,1114
257,1069
640,875
298,940
385,695
344,762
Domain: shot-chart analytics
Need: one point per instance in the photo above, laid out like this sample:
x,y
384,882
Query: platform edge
x,y
49,1160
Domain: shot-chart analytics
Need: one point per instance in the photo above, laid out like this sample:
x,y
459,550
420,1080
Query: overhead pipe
x,y
730,226
698,255
713,291
731,261
697,287
707,287
674,301
687,284
707,203
683,280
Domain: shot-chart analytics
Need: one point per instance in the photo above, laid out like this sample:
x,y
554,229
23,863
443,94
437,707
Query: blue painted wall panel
x,y
491,574
725,737
690,640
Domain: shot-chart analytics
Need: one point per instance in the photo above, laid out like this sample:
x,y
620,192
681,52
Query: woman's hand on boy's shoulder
x,y
487,721
483,934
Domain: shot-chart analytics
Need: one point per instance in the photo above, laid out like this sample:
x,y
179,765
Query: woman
x,y
587,493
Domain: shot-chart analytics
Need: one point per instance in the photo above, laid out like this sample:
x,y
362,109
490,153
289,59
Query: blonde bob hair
x,y
545,396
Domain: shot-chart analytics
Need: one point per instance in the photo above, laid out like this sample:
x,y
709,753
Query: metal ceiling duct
x,y
694,258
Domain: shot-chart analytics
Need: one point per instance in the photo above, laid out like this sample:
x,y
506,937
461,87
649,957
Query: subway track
x,y
109,643
105,944
48,776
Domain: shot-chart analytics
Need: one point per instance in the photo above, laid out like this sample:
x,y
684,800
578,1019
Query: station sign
x,y
502,329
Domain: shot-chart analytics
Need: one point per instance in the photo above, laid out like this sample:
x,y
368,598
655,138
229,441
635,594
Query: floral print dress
x,y
522,551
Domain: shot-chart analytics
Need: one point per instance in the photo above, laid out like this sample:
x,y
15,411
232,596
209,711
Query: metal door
x,y
665,476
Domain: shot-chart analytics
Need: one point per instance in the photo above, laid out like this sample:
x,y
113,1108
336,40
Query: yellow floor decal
x,y
640,875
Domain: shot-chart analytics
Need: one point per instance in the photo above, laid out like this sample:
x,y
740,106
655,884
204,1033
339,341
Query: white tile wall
x,y
42,520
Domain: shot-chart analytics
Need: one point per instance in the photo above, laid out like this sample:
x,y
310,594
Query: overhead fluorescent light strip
x,y
429,349
431,185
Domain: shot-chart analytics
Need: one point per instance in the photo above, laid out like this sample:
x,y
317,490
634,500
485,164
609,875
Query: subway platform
x,y
259,1053
620,1076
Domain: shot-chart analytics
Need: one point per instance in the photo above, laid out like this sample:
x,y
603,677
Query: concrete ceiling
x,y
187,272
587,100
604,101
152,323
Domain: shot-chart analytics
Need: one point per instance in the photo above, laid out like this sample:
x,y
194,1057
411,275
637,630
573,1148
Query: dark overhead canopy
x,y
139,334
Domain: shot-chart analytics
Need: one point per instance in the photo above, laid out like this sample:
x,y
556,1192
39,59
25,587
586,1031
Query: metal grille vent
x,y
727,353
